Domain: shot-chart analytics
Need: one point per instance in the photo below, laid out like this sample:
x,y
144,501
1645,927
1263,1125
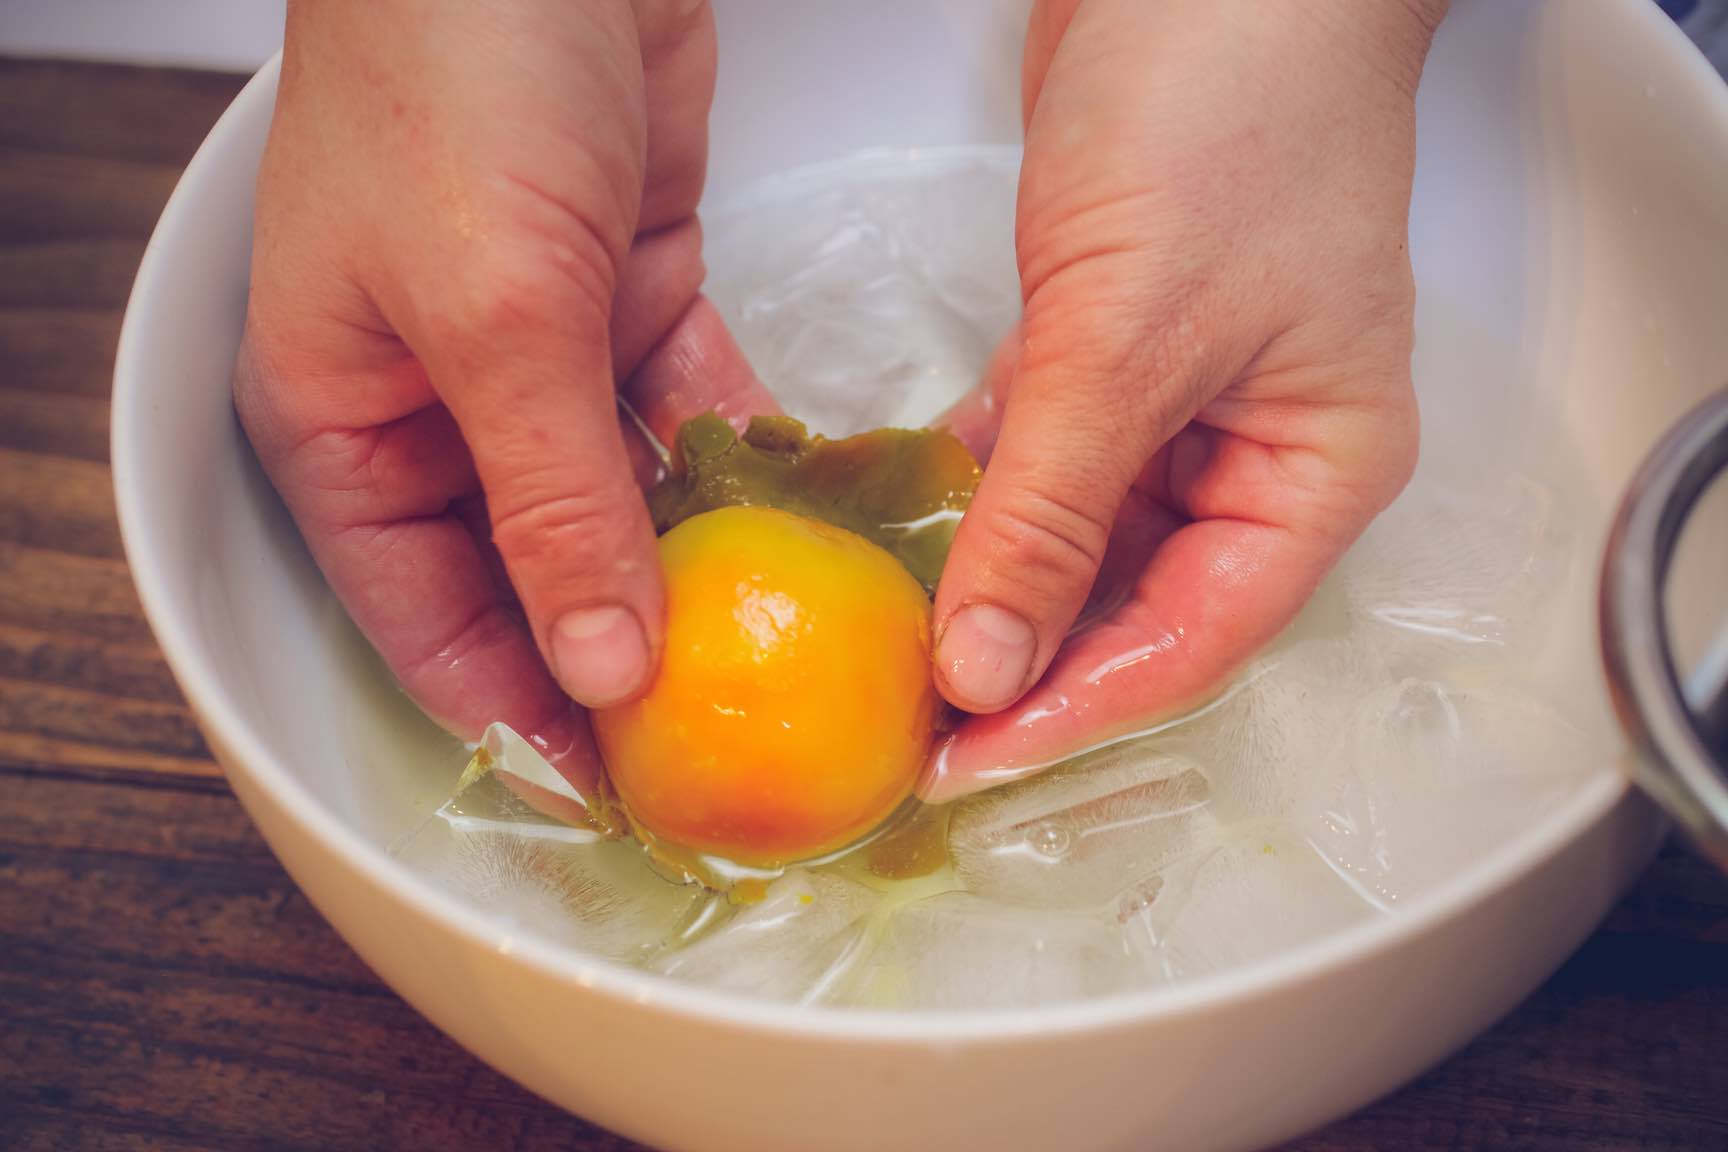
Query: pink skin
x,y
474,233
1208,397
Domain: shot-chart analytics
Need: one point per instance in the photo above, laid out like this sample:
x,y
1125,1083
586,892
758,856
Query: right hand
x,y
472,220
1208,397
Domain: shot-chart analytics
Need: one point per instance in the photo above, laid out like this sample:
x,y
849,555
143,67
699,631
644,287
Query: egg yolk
x,y
793,706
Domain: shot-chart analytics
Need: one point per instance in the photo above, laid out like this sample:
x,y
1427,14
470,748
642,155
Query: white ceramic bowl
x,y
1573,158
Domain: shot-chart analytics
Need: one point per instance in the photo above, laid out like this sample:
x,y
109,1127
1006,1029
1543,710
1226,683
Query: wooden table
x,y
164,986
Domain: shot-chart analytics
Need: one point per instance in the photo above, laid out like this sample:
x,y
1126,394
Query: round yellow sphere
x,y
794,703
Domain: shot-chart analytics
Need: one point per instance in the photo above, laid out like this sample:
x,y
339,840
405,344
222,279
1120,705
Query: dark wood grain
x,y
64,424
163,985
155,115
62,351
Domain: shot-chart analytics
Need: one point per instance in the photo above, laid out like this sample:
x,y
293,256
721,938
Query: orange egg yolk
x,y
794,705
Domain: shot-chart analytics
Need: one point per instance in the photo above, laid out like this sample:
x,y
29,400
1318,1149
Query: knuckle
x,y
1375,457
545,264
487,626
267,407
253,405
507,298
1133,251
372,543
342,460
1136,346
568,530
1046,544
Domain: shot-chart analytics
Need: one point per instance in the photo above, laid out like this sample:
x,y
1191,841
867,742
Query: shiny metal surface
x,y
1681,745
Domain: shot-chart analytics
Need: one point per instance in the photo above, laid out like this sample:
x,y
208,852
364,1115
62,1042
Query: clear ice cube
x,y
1273,739
1459,568
563,880
873,299
1261,892
1082,834
1484,762
600,898
797,943
958,951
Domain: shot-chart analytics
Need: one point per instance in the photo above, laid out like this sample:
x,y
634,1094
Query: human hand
x,y
1208,397
472,220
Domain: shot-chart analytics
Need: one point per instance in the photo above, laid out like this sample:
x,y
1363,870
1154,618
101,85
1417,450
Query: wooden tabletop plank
x,y
116,723
51,590
151,114
58,424
61,351
134,671
53,196
165,986
177,983
58,503
34,751
89,272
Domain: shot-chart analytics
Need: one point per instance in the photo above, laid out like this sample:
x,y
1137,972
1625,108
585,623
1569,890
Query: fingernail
x,y
600,655
986,656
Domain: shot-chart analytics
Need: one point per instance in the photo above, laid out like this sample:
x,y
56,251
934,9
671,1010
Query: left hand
x,y
475,233
1209,395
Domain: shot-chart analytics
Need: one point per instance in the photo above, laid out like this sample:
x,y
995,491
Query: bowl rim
x,y
251,756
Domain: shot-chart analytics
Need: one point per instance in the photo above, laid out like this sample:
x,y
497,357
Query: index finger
x,y
379,508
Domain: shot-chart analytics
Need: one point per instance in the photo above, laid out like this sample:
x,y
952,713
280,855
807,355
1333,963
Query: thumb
x,y
529,380
1086,410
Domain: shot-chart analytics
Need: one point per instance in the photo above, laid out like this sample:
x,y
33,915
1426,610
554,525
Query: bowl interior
x,y
1571,256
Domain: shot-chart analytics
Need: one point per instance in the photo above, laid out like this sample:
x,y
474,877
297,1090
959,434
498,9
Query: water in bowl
x,y
1413,720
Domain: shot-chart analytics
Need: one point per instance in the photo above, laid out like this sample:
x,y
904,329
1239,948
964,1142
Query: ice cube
x,y
1483,762
962,243
600,897
1081,834
876,298
1470,569
1262,892
1274,738
794,945
958,951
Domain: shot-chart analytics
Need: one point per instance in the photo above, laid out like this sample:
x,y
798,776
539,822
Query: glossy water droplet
x,y
1137,899
1049,839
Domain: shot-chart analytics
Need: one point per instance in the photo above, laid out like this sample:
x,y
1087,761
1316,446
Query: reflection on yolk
x,y
768,617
